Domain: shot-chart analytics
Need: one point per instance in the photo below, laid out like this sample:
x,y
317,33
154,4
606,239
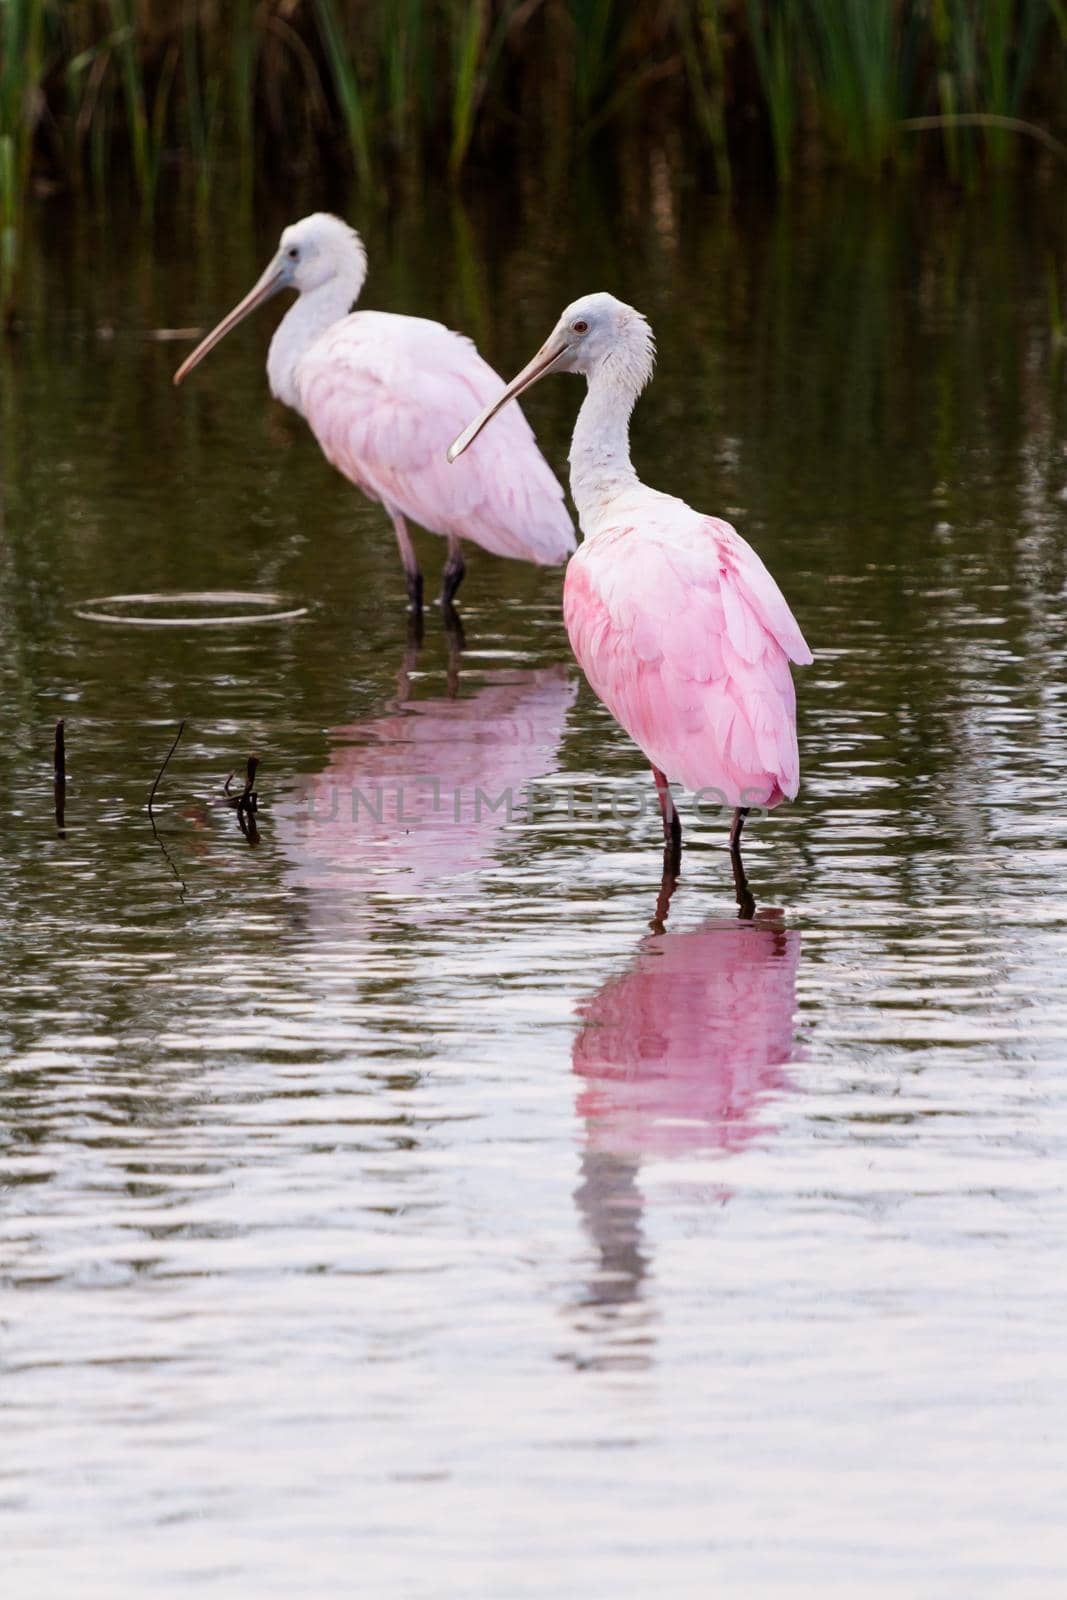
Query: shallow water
x,y
385,1205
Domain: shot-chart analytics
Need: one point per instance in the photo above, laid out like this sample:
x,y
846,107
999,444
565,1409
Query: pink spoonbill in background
x,y
384,394
675,620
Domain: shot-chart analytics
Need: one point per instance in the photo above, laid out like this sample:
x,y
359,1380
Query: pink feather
x,y
686,637
385,395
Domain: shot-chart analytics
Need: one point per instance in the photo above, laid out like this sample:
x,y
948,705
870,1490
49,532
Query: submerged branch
x,y
246,804
163,768
60,765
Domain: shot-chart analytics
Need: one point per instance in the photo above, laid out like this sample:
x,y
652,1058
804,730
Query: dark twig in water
x,y
246,804
246,821
169,859
249,798
60,775
155,831
163,768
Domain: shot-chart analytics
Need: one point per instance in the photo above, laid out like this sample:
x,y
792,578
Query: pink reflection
x,y
680,1052
676,1056
424,793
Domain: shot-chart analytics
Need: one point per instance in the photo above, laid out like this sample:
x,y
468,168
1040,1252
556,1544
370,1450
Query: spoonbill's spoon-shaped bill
x,y
267,286
676,622
543,362
383,394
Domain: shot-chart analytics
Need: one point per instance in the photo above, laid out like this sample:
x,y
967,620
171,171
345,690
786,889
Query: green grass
x,y
777,30
21,75
347,85
147,95
700,29
863,67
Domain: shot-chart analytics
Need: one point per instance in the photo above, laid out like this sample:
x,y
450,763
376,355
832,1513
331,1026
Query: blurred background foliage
x,y
109,91
201,96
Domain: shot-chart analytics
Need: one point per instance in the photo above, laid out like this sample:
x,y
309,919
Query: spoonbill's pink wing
x,y
687,639
385,396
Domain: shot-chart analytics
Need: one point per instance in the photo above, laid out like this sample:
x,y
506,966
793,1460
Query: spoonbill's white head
x,y
596,335
317,251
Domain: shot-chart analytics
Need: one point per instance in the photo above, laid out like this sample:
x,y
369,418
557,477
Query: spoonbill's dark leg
x,y
672,827
408,557
452,576
668,884
456,641
745,899
411,656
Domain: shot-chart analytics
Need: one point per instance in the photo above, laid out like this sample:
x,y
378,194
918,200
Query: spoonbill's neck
x,y
600,448
306,320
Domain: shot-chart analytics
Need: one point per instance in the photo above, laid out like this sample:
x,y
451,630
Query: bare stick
x,y
60,774
163,768
248,804
247,800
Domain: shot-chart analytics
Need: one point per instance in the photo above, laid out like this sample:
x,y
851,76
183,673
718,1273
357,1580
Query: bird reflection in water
x,y
412,799
676,1057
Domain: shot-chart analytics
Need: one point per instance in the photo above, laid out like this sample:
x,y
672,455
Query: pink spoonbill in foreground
x,y
675,620
383,395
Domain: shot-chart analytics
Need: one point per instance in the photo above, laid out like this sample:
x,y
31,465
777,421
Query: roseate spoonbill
x,y
675,620
383,395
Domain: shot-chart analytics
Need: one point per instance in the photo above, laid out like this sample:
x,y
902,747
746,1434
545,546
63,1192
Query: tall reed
x,y
347,86
776,31
863,61
702,46
21,71
132,91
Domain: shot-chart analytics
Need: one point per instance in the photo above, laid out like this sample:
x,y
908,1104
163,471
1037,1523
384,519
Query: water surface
x,y
386,1204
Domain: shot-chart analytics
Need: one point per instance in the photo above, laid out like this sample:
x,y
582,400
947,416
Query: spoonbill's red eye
x,y
580,326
